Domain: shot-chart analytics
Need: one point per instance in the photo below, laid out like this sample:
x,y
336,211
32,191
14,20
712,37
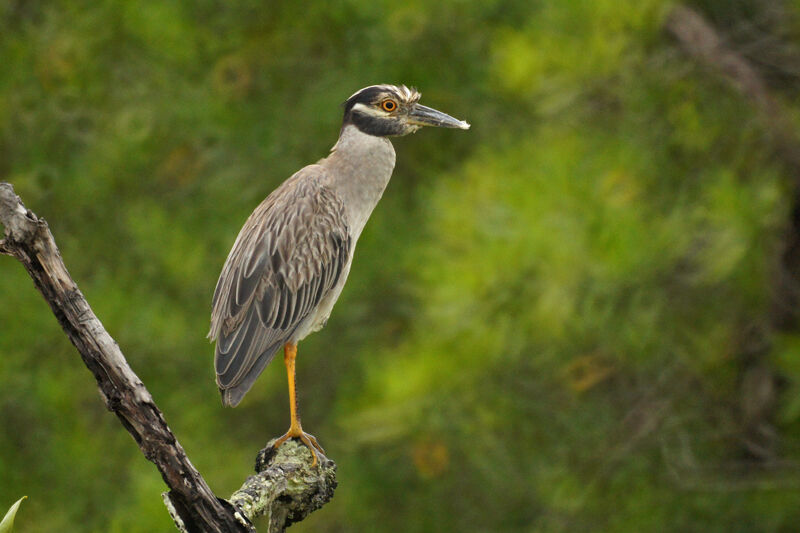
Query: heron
x,y
292,257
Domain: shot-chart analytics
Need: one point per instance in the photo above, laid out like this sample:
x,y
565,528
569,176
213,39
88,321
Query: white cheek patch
x,y
369,110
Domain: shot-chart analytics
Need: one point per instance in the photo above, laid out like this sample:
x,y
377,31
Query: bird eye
x,y
389,105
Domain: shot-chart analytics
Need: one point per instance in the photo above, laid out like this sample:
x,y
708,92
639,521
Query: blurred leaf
x,y
7,524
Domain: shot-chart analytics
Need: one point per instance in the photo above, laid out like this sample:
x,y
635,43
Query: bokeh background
x,y
577,316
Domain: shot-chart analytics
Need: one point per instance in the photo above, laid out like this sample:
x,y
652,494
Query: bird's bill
x,y
421,115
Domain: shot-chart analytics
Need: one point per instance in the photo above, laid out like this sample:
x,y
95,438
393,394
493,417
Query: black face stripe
x,y
369,124
373,96
378,126
368,96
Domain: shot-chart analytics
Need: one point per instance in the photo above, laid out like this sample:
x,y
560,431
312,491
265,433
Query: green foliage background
x,y
545,323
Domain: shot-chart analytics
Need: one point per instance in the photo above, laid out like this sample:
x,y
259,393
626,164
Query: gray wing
x,y
287,257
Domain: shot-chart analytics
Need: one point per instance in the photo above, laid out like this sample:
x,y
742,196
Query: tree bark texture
x,y
192,504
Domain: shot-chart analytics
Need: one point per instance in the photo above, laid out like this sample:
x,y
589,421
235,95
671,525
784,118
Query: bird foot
x,y
306,438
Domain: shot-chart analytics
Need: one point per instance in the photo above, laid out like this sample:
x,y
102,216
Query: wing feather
x,y
290,253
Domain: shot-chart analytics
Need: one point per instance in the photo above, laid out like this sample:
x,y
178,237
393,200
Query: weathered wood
x,y
28,238
191,503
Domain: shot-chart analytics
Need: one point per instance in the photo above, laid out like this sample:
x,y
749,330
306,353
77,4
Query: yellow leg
x,y
295,429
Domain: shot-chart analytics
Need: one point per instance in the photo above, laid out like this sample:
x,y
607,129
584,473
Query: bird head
x,y
393,110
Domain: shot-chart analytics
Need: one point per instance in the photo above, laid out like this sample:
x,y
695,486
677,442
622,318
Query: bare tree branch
x,y
700,40
759,382
287,490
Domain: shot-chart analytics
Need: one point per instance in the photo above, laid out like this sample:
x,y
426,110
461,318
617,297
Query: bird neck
x,y
361,166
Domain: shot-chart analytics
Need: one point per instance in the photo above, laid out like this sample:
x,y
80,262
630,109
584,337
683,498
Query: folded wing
x,y
290,253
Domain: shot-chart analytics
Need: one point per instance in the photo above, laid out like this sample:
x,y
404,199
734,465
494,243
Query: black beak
x,y
421,115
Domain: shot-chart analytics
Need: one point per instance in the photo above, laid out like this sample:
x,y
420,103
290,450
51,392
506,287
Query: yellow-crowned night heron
x,y
291,258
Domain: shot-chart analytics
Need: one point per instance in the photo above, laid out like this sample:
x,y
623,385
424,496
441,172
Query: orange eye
x,y
389,105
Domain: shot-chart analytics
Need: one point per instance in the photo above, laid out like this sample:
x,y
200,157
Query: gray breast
x,y
359,168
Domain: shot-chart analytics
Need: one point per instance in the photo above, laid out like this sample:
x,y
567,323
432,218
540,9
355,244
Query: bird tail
x,y
233,394
231,397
